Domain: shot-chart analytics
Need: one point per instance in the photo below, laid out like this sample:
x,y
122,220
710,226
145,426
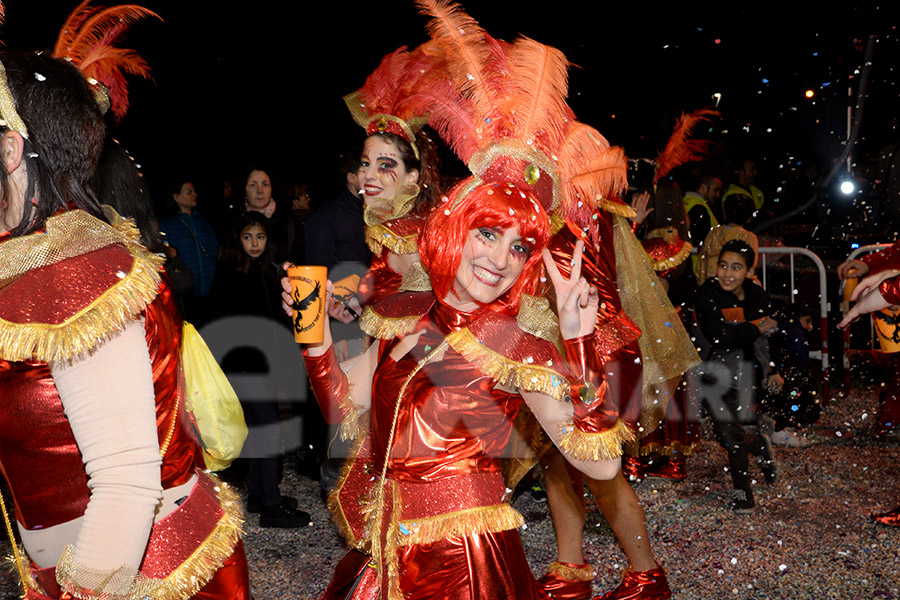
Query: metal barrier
x,y
845,306
824,305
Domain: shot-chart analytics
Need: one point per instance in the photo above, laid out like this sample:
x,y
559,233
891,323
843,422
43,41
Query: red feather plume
x,y
88,39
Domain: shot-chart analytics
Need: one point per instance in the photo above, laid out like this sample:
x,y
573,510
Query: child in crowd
x,y
247,284
791,400
733,312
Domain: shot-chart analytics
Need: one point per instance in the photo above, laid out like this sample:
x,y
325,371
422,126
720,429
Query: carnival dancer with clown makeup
x,y
398,173
90,358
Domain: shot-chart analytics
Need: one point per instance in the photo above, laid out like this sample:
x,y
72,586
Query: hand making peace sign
x,y
576,301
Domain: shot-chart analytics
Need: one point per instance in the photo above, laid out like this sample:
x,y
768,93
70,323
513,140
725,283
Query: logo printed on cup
x,y
308,286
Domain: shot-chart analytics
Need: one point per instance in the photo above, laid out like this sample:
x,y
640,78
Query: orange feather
x,y
681,149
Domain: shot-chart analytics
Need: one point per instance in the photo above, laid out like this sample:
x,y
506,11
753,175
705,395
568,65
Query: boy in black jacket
x,y
733,312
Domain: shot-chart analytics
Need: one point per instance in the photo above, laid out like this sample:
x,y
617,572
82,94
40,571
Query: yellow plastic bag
x,y
211,399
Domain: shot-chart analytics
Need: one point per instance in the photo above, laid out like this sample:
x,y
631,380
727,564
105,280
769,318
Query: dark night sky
x,y
262,81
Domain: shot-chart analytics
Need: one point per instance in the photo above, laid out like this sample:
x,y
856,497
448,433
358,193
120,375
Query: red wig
x,y
500,205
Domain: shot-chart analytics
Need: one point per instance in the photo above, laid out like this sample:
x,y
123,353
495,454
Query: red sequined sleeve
x,y
329,385
889,258
890,289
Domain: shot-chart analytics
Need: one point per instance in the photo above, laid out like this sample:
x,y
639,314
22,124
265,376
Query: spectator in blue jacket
x,y
193,237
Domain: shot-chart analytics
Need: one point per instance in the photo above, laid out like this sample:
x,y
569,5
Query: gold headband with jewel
x,y
8,115
382,122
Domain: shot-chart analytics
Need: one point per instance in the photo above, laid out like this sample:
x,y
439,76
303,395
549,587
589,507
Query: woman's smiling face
x,y
382,170
492,261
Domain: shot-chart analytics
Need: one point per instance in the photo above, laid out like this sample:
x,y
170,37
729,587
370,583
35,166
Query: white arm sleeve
x,y
552,415
109,400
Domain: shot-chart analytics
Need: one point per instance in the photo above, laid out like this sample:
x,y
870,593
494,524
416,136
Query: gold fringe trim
x,y
349,427
669,449
106,315
674,260
595,446
338,516
385,328
187,579
563,571
392,547
471,521
91,326
556,224
616,208
380,235
531,378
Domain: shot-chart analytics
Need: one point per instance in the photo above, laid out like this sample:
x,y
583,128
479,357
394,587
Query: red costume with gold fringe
x,y
447,529
63,292
437,524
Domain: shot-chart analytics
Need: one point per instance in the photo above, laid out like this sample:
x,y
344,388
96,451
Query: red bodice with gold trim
x,y
38,453
451,421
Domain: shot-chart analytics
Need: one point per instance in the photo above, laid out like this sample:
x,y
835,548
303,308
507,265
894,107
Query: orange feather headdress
x,y
508,119
681,148
88,38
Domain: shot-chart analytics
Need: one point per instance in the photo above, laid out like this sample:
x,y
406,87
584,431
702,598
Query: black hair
x,y
741,248
119,183
65,136
235,252
668,209
738,208
350,161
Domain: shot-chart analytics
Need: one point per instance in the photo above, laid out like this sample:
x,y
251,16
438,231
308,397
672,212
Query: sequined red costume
x,y
96,279
400,236
616,334
889,258
446,528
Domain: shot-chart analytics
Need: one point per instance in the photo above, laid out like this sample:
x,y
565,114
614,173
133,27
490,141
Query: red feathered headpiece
x,y
398,95
88,38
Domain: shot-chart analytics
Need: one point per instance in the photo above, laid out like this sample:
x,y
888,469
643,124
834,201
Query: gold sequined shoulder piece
x,y
617,208
384,328
536,318
530,377
416,279
29,262
378,236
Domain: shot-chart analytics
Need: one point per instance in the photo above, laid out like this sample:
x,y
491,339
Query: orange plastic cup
x,y
308,293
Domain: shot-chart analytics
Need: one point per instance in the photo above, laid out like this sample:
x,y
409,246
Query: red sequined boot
x,y
567,581
891,518
641,585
